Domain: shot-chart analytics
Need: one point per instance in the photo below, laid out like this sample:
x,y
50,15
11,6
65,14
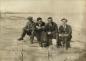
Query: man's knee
x,y
24,30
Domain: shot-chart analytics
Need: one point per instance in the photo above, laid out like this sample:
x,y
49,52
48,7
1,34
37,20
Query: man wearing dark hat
x,y
65,34
28,29
39,30
51,30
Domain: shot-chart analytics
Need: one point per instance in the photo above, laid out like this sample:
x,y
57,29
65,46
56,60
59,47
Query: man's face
x,y
39,21
64,22
49,20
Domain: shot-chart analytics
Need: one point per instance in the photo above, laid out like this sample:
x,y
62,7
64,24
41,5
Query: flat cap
x,y
50,18
39,18
30,18
64,19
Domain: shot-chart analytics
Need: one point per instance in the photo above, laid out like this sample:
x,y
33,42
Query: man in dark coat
x,y
65,33
51,30
40,25
28,29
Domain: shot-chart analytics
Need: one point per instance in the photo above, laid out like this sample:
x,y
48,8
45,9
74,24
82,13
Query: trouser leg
x,y
59,44
38,35
64,41
23,34
49,40
31,38
44,39
67,43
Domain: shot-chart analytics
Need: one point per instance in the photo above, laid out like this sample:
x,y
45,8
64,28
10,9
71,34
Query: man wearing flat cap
x,y
51,30
39,30
28,29
65,34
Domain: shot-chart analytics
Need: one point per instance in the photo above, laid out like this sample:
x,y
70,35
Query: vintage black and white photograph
x,y
42,30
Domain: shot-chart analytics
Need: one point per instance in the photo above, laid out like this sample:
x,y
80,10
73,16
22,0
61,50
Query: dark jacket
x,y
66,30
41,25
30,26
53,28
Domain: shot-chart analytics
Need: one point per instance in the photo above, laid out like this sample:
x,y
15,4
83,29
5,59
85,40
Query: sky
x,y
72,9
55,6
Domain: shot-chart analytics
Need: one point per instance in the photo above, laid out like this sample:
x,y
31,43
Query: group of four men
x,y
45,32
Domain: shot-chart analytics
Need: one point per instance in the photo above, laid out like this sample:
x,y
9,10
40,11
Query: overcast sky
x,y
62,8
42,5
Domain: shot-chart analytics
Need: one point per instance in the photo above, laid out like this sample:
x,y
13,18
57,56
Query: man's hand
x,y
60,34
63,34
49,33
38,27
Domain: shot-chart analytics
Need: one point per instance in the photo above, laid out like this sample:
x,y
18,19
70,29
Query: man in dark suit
x,y
40,25
65,33
28,29
51,29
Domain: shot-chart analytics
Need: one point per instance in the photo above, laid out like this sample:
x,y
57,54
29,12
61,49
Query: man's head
x,y
30,19
50,19
39,19
64,21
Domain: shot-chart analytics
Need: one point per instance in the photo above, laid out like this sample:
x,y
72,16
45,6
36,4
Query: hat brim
x,y
64,19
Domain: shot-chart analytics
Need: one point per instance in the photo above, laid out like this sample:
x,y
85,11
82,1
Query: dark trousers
x,y
39,37
64,41
28,32
54,35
